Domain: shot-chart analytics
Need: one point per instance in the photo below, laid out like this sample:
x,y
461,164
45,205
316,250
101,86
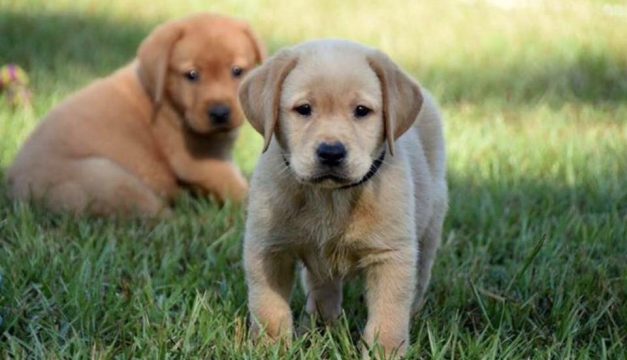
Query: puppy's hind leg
x,y
429,244
101,187
324,296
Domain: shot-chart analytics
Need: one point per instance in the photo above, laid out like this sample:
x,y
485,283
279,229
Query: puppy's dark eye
x,y
192,75
237,71
362,111
304,110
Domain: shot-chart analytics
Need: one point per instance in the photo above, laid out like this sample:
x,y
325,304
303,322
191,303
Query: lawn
x,y
533,262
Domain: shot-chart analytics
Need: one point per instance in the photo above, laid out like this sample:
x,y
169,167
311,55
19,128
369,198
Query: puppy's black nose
x,y
220,114
331,154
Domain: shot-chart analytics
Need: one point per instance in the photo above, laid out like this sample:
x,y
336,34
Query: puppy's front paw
x,y
271,330
384,344
239,192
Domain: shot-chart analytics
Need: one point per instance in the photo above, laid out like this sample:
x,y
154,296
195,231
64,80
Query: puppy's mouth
x,y
323,177
329,177
206,130
221,129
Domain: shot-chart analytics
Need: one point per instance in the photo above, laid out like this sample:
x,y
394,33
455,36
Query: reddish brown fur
x,y
125,143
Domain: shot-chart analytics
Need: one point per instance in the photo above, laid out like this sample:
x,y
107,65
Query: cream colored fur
x,y
387,229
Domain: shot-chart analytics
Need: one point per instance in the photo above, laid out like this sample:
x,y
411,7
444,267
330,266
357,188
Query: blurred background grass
x,y
533,261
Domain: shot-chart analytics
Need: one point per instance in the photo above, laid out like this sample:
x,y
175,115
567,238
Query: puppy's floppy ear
x,y
260,48
154,54
260,93
402,98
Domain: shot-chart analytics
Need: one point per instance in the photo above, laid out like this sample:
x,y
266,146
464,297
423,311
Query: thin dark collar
x,y
374,167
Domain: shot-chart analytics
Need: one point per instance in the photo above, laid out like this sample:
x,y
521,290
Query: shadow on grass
x,y
52,41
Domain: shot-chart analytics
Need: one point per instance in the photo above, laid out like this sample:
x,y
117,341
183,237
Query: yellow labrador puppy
x,y
352,180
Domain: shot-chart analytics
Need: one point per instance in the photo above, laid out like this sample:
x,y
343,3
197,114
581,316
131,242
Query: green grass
x,y
534,257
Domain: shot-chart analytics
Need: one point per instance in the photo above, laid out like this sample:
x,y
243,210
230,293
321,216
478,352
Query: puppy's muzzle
x,y
331,154
220,115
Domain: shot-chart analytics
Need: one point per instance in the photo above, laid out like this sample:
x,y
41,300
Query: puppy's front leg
x,y
389,294
270,278
220,178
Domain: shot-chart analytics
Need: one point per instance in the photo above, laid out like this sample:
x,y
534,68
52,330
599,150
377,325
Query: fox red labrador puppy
x,y
128,143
